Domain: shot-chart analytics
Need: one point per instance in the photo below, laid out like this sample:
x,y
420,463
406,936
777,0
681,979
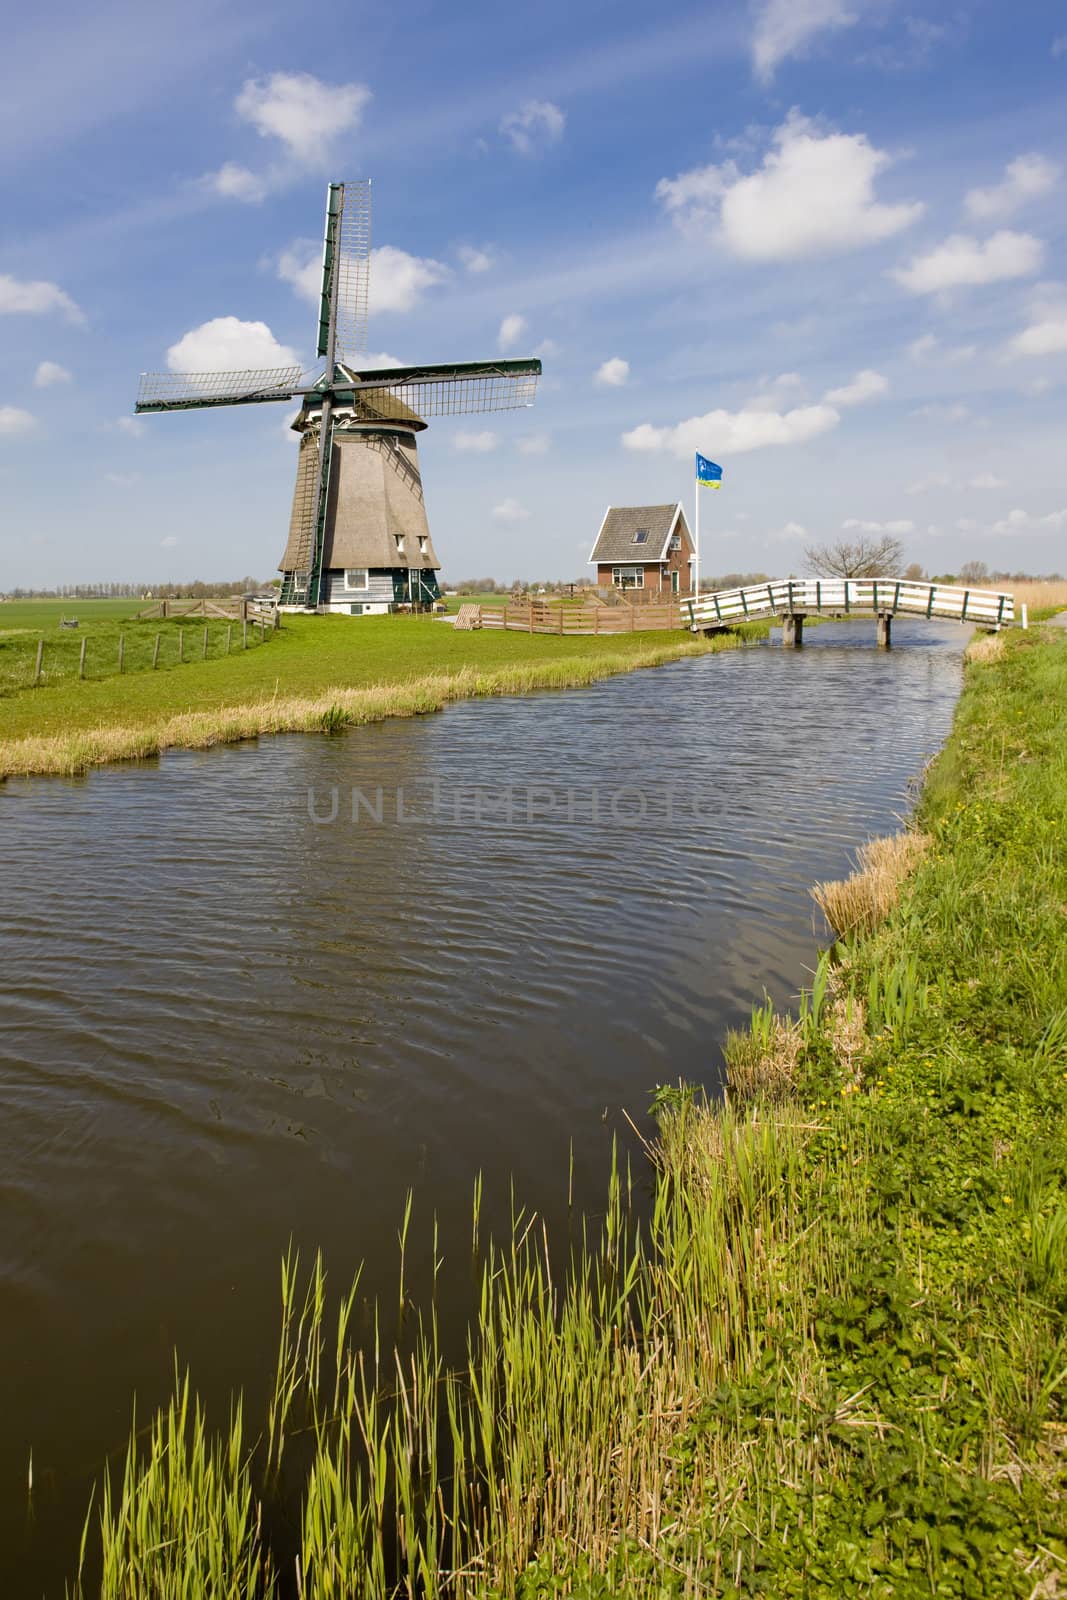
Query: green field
x,y
44,615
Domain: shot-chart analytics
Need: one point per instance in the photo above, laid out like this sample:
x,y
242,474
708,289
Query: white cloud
x,y
534,444
50,372
965,524
301,265
857,525
234,182
813,195
36,296
511,331
307,115
785,27
1059,46
929,348
397,280
510,511
169,541
379,359
14,420
132,426
476,443
227,343
939,413
864,386
536,125
963,259
612,374
1025,522
547,349
987,480
734,432
1046,334
932,480
793,530
1024,179
475,260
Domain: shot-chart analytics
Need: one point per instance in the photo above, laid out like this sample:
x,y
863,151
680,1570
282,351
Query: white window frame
x,y
641,536
676,541
628,577
354,573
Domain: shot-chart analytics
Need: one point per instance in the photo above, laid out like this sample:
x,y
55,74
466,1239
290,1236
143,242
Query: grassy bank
x,y
833,1362
315,672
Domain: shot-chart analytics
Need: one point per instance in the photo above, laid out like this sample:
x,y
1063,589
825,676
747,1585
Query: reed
x,y
858,903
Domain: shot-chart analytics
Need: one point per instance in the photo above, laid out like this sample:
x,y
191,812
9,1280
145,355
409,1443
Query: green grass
x,y
832,1364
307,663
113,647
45,615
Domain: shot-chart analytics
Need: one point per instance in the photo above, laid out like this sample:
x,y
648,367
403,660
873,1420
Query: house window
x,y
356,610
641,536
628,577
356,578
300,582
676,541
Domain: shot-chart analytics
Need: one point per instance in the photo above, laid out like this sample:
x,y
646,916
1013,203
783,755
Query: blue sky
x,y
820,240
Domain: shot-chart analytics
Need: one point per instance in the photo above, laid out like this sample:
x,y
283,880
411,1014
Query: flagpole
x,y
696,540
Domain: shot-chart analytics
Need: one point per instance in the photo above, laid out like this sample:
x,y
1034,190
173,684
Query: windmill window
x,y
356,578
422,544
399,545
641,536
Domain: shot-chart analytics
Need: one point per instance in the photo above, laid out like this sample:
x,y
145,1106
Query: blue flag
x,y
708,473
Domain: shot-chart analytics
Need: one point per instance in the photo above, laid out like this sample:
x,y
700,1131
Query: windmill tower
x,y
359,541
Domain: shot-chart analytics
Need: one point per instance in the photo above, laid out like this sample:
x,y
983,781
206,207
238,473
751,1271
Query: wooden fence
x,y
234,609
539,617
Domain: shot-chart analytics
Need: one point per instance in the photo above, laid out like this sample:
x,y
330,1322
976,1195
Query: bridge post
x,y
792,630
885,629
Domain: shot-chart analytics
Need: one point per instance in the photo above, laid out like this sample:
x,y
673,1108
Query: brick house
x,y
646,548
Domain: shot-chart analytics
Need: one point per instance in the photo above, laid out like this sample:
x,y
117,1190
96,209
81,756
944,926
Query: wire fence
x,y
29,661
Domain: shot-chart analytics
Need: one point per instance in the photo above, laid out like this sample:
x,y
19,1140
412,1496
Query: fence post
x,y
155,653
244,633
229,637
122,649
596,619
81,659
40,659
633,618
204,656
181,644
505,618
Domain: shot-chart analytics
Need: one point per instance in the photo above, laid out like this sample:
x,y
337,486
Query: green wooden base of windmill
x,y
359,542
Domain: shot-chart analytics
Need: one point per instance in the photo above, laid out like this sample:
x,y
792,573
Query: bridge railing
x,y
880,596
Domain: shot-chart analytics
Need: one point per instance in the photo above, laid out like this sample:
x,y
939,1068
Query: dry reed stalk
x,y
858,903
985,647
763,1065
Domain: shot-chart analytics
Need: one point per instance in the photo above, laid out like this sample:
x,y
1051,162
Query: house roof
x,y
617,539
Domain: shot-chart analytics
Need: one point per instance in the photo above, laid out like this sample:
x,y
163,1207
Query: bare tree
x,y
869,556
916,573
974,572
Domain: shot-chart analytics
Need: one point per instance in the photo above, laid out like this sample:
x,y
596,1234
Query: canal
x,y
259,993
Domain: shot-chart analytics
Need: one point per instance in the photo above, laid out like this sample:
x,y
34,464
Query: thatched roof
x,y
639,533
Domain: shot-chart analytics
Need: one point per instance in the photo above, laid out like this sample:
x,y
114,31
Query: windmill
x,y
358,540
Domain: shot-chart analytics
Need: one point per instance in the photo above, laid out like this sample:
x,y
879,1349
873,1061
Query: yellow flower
x,y
1008,1200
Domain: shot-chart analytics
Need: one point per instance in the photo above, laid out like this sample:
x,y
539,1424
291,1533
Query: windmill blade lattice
x,y
184,391
353,271
469,388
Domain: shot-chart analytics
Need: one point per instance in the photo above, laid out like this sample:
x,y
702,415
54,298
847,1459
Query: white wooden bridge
x,y
793,599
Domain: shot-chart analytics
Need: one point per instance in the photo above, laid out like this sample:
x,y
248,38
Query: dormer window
x,y
422,544
399,545
641,536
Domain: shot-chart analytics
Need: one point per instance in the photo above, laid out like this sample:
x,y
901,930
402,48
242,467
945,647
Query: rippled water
x,y
226,1023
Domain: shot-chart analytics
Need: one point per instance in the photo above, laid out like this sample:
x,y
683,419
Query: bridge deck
x,y
892,597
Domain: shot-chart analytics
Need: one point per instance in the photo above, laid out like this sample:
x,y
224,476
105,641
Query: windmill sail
x,y
186,391
441,391
345,270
